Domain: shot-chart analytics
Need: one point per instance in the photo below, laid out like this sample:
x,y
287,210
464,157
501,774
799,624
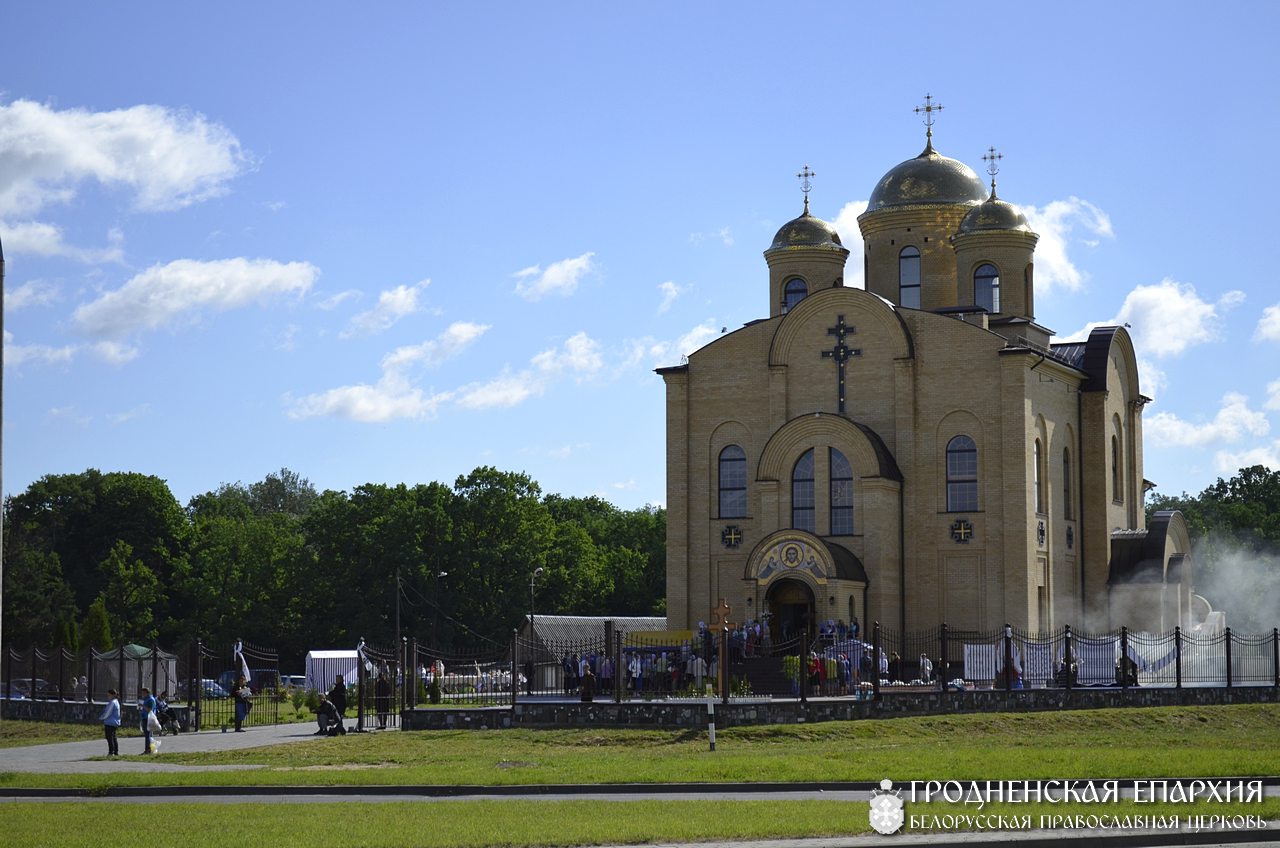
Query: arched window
x,y
962,475
793,292
1117,493
986,288
841,495
733,482
1028,300
802,503
909,278
1037,477
1068,510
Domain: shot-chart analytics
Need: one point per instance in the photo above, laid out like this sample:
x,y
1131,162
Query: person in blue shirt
x,y
146,706
110,719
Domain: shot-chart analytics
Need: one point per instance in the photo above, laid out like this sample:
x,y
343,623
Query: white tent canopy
x,y
324,666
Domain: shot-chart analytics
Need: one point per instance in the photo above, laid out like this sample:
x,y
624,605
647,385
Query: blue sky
x,y
392,243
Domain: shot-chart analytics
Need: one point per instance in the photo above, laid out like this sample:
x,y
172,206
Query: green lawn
x,y
1170,741
488,824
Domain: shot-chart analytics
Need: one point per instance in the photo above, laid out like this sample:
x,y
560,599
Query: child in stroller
x,y
168,719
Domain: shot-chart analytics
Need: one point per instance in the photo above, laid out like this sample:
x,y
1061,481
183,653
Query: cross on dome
x,y
927,109
992,157
806,183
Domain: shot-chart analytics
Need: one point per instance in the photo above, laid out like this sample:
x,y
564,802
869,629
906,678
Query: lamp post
x,y
537,572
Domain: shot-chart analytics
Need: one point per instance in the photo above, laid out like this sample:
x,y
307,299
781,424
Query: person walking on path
x,y
110,719
146,706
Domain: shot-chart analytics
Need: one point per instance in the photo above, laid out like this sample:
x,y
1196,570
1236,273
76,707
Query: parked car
x,y
293,681
11,694
35,688
210,691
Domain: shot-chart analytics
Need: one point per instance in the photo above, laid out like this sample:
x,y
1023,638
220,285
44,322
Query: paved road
x,y
74,757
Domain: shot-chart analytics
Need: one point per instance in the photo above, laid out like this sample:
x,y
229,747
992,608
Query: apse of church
x,y
917,452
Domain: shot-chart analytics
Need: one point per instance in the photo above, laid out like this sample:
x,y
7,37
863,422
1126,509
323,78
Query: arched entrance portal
x,y
790,604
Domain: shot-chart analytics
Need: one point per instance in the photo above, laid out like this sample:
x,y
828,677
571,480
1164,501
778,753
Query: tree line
x,y
98,558
1235,535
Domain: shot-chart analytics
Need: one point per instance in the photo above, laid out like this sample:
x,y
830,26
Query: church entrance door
x,y
790,605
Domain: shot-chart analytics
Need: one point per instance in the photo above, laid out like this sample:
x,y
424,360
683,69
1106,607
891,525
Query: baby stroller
x,y
168,718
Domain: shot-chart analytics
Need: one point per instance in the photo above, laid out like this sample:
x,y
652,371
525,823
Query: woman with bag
x,y
147,718
243,704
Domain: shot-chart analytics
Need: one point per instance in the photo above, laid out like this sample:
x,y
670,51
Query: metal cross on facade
x,y
720,615
841,353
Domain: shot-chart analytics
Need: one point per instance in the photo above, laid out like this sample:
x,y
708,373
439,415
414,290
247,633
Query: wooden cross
x,y
841,353
720,615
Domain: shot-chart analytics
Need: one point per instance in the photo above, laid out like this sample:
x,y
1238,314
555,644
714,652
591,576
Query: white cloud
x,y
560,278
114,352
456,338
846,224
1167,318
32,293
163,293
1154,379
628,484
670,291
68,413
129,415
1273,395
1233,421
167,158
394,395
333,301
1229,463
37,354
660,354
393,304
41,239
580,355
1269,325
725,234
288,339
1055,223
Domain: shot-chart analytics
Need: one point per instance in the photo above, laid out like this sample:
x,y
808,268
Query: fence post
x,y
1068,659
618,670
1008,657
406,678
360,689
1124,656
62,671
1275,654
8,669
515,665
199,682
120,669
942,658
1177,654
724,665
875,660
34,653
89,693
1227,647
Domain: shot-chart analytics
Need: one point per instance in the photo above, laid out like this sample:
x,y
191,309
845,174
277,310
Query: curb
x,y
513,790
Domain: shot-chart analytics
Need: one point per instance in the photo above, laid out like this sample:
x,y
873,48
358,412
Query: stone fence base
x,y
693,714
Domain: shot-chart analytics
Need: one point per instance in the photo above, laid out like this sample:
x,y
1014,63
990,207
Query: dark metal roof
x,y
928,178
994,214
848,566
1071,353
807,231
1138,557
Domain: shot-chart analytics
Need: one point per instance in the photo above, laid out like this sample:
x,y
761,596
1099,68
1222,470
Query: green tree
x,y
134,593
96,630
37,597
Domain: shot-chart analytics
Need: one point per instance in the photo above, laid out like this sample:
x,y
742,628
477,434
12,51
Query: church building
x,y
918,451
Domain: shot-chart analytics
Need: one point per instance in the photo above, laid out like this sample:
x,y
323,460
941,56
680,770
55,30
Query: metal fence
x,y
479,676
196,680
381,689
